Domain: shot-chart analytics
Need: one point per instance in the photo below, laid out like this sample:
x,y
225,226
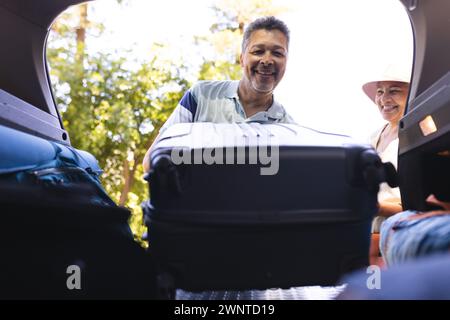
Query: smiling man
x,y
263,60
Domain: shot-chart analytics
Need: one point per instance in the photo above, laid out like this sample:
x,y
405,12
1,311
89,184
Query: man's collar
x,y
276,110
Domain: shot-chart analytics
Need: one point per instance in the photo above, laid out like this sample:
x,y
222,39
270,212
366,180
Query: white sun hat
x,y
393,72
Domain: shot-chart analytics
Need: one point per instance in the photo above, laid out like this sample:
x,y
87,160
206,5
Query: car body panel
x,y
23,69
423,167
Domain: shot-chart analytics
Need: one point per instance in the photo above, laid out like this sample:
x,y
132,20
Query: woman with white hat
x,y
389,92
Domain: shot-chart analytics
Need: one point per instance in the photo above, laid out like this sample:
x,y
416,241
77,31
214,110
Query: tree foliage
x,y
112,111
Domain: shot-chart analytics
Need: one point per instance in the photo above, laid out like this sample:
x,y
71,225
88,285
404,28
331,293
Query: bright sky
x,y
336,46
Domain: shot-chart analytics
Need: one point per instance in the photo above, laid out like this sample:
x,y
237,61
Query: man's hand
x,y
146,161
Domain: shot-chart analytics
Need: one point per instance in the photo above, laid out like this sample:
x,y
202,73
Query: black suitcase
x,y
229,226
49,231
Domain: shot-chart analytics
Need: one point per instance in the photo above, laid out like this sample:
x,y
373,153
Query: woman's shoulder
x,y
375,135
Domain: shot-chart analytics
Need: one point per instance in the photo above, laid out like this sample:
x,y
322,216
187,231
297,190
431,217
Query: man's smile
x,y
265,72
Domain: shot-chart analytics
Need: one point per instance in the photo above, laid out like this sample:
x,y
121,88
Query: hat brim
x,y
370,88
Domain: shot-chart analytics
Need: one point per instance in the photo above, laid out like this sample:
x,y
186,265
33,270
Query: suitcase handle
x,y
376,172
164,173
391,174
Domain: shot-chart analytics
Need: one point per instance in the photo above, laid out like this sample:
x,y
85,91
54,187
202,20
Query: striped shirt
x,y
218,102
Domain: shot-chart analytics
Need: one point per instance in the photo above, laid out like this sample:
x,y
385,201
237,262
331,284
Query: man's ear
x,y
241,60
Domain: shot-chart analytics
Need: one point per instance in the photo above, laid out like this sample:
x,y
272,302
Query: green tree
x,y
112,111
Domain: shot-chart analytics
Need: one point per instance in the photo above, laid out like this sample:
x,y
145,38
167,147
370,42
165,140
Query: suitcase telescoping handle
x,y
376,172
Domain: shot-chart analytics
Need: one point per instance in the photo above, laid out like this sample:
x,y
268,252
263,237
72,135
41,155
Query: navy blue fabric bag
x,y
30,160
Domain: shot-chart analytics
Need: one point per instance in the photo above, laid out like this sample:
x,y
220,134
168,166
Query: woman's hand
x,y
433,201
389,207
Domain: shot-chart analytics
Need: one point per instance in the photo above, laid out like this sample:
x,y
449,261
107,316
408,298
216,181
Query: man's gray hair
x,y
264,23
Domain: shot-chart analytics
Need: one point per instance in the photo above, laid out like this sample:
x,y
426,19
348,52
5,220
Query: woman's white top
x,y
390,154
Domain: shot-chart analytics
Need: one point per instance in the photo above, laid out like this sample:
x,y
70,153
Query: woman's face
x,y
390,98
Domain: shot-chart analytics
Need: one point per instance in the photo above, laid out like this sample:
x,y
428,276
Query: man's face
x,y
390,98
264,60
